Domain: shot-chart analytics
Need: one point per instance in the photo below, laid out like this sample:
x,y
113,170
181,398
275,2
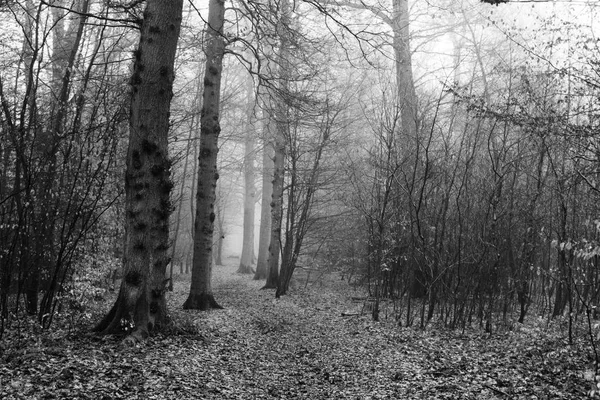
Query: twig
x,y
495,389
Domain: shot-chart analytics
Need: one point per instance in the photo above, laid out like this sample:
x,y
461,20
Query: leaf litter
x,y
303,346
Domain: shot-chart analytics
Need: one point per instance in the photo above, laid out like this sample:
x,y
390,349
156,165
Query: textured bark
x,y
249,190
201,295
141,306
276,208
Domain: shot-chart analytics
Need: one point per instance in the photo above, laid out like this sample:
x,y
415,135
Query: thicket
x,y
488,215
62,128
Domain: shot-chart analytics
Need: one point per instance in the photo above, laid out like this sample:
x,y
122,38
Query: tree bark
x,y
201,296
220,231
141,306
249,190
276,207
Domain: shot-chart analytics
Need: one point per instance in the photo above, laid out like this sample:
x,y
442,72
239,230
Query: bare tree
x,y
246,259
265,207
279,105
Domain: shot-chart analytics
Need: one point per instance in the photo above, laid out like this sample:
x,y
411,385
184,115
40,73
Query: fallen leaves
x,y
297,347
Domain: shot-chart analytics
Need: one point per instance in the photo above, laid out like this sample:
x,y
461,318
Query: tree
x,y
265,209
279,107
398,20
181,203
59,150
404,75
201,296
140,306
304,172
247,256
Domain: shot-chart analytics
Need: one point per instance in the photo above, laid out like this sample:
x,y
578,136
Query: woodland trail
x,y
297,347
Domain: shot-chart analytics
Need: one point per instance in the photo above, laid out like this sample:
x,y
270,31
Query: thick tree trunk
x,y
141,306
201,295
249,190
262,266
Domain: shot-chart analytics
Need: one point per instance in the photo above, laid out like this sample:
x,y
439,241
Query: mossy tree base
x,y
202,302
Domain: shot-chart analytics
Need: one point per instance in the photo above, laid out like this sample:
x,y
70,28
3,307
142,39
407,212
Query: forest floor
x,y
298,347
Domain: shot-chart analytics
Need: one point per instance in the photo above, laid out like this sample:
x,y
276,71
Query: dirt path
x,y
298,347
301,347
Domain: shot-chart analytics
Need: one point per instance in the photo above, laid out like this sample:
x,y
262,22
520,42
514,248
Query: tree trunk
x,y
262,267
300,201
404,75
279,110
249,190
219,233
141,306
181,201
276,208
201,295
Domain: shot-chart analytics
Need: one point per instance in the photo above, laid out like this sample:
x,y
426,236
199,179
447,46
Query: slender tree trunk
x,y
262,267
404,75
276,207
249,190
300,201
530,242
140,305
280,114
180,206
220,232
201,296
